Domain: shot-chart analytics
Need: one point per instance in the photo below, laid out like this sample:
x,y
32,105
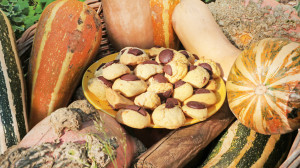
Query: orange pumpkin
x,y
263,86
67,38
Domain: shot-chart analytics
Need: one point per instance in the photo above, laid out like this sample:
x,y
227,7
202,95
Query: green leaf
x,y
4,3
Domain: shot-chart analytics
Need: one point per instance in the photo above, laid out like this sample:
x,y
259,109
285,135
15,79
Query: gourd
x,y
200,34
161,15
67,38
242,147
13,119
74,136
140,23
128,23
263,86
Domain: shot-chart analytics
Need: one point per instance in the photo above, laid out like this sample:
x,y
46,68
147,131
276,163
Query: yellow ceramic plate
x,y
104,106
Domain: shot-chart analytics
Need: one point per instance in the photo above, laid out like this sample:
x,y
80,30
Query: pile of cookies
x,y
163,86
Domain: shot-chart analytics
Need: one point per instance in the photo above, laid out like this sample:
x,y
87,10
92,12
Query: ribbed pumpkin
x,y
67,38
263,86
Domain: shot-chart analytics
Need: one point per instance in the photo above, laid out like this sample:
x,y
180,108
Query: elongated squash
x,y
263,87
67,38
161,15
241,147
13,119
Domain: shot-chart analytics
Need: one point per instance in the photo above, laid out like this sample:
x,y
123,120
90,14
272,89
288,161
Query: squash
x,y
76,136
200,34
242,147
128,23
263,86
13,119
67,38
161,14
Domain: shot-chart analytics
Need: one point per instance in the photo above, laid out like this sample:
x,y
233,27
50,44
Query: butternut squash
x,y
200,34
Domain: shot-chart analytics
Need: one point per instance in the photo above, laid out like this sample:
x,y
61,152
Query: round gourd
x,y
263,86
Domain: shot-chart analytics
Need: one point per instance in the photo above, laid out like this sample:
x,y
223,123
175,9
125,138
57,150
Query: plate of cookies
x,y
158,87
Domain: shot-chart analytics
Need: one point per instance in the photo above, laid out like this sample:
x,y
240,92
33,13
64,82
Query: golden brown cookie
x,y
168,115
216,72
195,110
114,69
211,85
197,76
116,100
154,51
149,100
133,56
130,85
182,90
147,69
174,71
203,96
159,85
169,55
98,86
134,116
188,55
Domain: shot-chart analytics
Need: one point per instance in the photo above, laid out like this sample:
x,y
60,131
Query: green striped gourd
x,y
241,147
13,122
263,87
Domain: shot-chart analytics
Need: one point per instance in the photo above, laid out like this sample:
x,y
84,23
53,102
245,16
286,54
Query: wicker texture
x,y
24,43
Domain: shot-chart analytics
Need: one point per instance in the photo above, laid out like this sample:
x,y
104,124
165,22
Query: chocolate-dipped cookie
x,y
188,55
216,72
160,85
169,55
182,90
174,71
133,56
114,69
195,110
130,85
204,96
197,76
149,100
134,116
98,86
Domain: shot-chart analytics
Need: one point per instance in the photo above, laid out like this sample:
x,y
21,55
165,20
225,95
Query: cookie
x,y
188,55
174,71
114,69
216,72
98,86
195,110
130,85
197,76
134,116
168,115
154,51
203,96
169,55
182,90
149,100
133,56
147,69
116,100
159,85
99,70
211,85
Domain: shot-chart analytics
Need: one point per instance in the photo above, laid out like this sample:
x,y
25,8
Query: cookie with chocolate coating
x,y
133,56
170,55
204,96
182,90
188,55
114,69
160,85
130,85
174,71
148,68
195,110
98,86
197,76
168,115
209,65
134,116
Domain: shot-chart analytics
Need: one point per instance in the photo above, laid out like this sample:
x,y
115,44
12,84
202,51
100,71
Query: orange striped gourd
x,y
67,38
161,14
263,86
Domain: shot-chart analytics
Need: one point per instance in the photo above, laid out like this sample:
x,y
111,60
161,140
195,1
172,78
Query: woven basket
x,y
24,43
24,48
